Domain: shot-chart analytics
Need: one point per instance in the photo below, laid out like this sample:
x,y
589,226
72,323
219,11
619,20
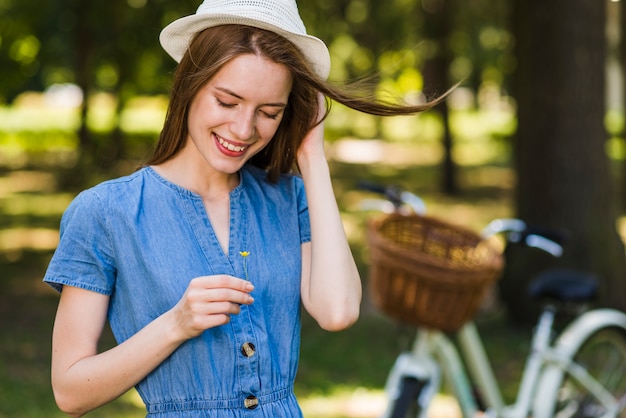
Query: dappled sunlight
x,y
474,216
472,153
358,150
346,402
31,112
425,127
367,403
34,112
496,177
144,114
482,125
13,239
26,181
621,227
371,151
29,203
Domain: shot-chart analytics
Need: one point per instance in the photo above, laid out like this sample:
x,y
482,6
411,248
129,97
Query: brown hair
x,y
212,48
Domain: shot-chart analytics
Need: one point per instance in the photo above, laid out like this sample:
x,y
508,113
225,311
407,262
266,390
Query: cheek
x,y
264,143
267,130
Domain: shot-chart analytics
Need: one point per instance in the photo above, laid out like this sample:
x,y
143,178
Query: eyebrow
x,y
232,93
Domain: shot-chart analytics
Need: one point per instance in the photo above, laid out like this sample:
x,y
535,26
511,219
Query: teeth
x,y
230,146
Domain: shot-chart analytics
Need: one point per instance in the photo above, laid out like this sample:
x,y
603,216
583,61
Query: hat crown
x,y
282,14
279,16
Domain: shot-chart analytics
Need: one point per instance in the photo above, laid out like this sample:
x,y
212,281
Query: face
x,y
236,114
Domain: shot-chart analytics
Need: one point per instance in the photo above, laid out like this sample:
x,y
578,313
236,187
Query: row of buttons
x,y
248,350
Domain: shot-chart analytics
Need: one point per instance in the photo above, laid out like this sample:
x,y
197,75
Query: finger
x,y
222,308
223,281
228,295
218,313
205,322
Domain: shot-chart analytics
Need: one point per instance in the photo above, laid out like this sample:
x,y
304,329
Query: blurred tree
x,y
115,48
417,47
21,23
101,47
437,30
563,170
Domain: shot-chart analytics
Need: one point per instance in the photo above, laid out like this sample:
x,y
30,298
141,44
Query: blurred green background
x,y
83,95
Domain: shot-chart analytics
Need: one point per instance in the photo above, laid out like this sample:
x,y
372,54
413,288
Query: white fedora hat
x,y
279,16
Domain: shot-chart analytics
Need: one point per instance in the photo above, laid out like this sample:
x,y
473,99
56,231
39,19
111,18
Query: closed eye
x,y
224,104
273,116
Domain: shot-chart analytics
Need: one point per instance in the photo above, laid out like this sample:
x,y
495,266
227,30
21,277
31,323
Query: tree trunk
x,y
83,47
564,179
436,70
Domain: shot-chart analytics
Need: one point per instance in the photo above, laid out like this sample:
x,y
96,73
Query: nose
x,y
244,124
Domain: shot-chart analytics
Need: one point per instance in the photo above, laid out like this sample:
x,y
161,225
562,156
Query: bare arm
x,y
83,379
331,286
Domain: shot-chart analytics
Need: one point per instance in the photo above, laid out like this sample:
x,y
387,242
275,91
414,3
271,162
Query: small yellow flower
x,y
245,254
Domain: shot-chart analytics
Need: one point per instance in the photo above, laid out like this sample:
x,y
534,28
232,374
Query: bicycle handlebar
x,y
396,196
515,230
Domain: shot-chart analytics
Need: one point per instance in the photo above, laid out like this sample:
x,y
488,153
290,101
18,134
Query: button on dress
x,y
140,239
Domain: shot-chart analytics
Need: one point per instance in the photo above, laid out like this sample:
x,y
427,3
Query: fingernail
x,y
249,286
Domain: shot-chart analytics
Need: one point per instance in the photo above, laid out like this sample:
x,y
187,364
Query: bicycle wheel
x,y
602,355
406,404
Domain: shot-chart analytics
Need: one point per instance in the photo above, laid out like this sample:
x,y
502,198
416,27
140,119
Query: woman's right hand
x,y
84,379
209,301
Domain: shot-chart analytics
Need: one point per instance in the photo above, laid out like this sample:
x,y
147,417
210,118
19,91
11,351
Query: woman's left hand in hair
x,y
313,143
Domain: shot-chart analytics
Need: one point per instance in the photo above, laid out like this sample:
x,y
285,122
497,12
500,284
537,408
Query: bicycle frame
x,y
482,371
559,360
434,354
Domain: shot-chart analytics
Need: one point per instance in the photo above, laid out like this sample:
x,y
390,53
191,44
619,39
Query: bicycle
x,y
579,373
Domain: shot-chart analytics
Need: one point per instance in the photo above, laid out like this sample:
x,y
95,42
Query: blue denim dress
x,y
140,239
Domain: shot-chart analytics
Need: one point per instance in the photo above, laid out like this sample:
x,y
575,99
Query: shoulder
x,y
106,196
125,184
118,188
285,195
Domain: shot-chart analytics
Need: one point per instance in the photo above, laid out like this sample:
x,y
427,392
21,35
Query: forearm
x,y
97,379
333,293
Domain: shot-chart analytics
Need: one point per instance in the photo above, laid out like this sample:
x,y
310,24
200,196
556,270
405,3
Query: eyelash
x,y
271,116
230,106
226,105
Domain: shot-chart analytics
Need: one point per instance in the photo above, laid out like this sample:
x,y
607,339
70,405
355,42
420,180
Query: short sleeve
x,y
303,211
84,257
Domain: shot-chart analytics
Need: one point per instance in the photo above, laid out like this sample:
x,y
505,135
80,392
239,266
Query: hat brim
x,y
176,36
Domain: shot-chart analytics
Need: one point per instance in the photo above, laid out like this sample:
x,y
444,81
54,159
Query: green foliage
x,y
113,46
110,46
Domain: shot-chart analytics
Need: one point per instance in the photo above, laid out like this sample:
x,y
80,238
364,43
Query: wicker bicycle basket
x,y
428,272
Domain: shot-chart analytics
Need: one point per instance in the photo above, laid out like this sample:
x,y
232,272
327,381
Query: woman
x,y
200,260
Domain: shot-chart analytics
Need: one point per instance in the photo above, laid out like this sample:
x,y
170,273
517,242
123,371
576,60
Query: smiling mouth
x,y
229,146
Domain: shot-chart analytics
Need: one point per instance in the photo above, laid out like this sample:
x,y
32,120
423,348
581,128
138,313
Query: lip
x,y
230,148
